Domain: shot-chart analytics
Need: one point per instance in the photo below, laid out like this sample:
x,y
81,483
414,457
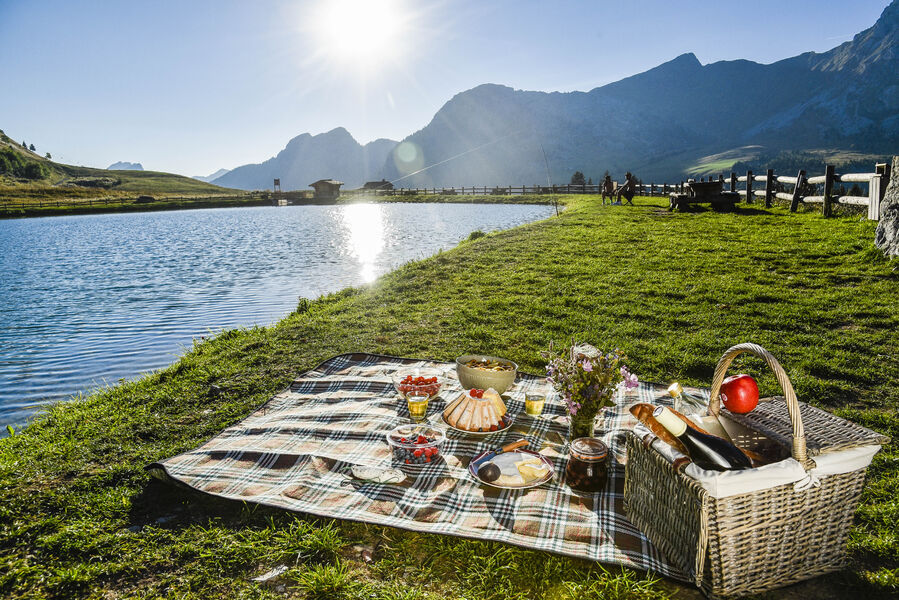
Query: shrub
x,y
34,170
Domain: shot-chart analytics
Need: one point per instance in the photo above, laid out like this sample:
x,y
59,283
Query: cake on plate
x,y
476,410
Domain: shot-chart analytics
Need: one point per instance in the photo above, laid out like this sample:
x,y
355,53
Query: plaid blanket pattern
x,y
295,452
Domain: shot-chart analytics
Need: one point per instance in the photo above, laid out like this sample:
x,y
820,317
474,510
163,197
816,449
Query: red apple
x,y
740,393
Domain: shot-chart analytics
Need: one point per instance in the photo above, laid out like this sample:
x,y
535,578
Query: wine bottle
x,y
688,404
706,451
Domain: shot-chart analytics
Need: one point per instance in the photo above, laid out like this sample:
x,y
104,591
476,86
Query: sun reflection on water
x,y
365,226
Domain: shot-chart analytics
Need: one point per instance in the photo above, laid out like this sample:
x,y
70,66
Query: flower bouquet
x,y
586,379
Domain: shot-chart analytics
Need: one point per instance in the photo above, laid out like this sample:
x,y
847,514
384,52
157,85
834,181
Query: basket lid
x,y
824,432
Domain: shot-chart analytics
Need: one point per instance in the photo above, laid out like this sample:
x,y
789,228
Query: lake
x,y
88,300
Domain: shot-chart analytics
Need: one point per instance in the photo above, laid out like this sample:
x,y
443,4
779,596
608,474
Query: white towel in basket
x,y
722,484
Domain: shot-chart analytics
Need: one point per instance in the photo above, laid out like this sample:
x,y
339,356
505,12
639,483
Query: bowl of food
x,y
415,445
484,372
417,382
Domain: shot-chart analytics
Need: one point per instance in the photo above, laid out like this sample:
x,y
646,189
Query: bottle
x,y
688,404
685,403
706,451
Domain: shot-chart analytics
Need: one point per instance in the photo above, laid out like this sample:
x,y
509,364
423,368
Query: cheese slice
x,y
530,472
530,461
508,480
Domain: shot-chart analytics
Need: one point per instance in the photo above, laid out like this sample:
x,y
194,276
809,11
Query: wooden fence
x,y
768,186
775,186
510,190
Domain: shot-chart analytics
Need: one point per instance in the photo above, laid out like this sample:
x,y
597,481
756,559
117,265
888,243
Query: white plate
x,y
476,433
506,463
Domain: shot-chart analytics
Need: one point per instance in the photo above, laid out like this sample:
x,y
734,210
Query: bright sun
x,y
361,33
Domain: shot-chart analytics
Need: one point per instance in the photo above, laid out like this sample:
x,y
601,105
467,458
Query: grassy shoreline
x,y
118,205
79,517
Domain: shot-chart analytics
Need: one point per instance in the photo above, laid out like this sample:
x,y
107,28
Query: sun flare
x,y
361,33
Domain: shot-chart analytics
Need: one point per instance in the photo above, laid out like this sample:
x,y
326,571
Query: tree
x,y
578,178
34,170
48,155
24,145
590,181
31,147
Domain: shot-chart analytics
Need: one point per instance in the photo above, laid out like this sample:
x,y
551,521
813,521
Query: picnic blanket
x,y
296,450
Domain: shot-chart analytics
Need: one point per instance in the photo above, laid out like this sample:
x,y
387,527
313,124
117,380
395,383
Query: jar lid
x,y
589,449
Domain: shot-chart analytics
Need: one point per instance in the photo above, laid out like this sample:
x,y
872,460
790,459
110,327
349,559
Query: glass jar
x,y
533,404
588,465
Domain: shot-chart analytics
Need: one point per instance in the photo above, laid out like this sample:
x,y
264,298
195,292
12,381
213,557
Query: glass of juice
x,y
418,405
533,404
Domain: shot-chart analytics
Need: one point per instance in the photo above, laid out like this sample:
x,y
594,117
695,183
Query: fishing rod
x,y
461,154
549,180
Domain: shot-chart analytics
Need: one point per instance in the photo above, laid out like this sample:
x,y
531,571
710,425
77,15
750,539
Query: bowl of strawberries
x,y
417,381
415,444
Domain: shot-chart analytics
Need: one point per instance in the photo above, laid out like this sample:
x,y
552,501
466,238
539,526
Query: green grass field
x,y
80,518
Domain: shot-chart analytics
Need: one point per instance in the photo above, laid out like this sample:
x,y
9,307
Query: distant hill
x,y
211,178
125,166
20,167
308,158
665,121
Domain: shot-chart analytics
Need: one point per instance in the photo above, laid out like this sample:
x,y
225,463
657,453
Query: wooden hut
x,y
377,185
326,189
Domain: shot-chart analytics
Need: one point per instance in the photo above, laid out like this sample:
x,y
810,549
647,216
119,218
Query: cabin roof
x,y
328,181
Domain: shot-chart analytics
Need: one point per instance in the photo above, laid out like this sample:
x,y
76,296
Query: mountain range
x,y
674,119
308,158
125,166
208,178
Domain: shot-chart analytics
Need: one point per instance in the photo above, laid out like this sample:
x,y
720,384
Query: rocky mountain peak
x,y
878,44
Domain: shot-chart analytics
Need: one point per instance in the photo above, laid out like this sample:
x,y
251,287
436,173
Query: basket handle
x,y
799,451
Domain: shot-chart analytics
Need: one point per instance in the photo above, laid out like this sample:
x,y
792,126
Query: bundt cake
x,y
476,410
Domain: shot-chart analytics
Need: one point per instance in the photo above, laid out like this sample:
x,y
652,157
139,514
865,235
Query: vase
x,y
581,426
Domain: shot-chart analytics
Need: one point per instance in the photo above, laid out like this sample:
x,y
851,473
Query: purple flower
x,y
587,365
630,380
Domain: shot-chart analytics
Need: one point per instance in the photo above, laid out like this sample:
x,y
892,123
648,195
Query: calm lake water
x,y
87,300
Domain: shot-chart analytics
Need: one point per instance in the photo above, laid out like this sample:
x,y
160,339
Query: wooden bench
x,y
704,191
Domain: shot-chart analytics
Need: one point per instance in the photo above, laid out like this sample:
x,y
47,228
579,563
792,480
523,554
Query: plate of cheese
x,y
518,469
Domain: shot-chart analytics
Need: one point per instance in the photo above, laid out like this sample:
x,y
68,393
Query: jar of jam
x,y
588,465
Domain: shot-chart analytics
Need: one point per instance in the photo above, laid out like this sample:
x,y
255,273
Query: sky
x,y
193,86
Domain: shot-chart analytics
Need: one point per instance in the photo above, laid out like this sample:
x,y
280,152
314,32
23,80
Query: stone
x,y
273,576
887,235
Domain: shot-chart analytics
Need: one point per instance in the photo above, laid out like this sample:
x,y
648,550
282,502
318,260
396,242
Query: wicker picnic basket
x,y
752,542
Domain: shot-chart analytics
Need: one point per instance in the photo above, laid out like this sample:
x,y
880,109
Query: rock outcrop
x,y
887,235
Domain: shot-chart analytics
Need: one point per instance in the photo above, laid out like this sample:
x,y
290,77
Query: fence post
x,y
769,187
794,203
874,198
828,189
883,169
733,181
749,187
